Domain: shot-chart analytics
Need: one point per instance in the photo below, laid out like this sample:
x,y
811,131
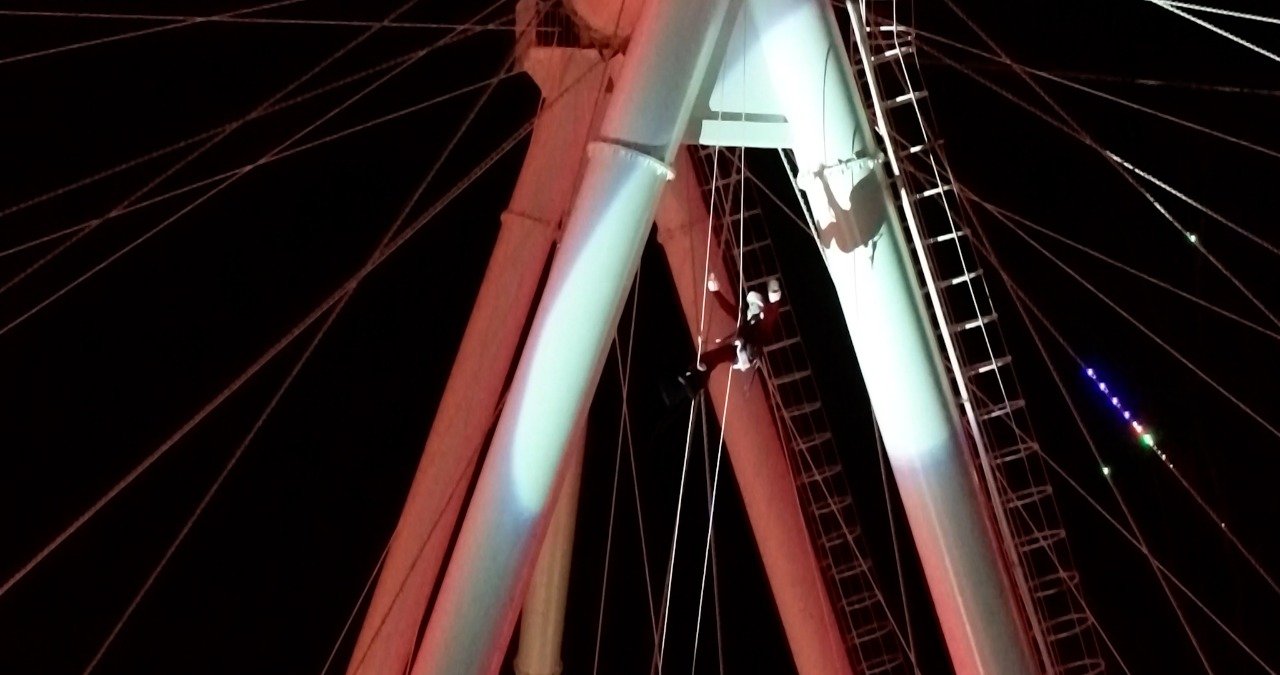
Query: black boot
x,y
684,387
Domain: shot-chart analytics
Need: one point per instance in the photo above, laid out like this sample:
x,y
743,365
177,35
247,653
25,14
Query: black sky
x,y
94,382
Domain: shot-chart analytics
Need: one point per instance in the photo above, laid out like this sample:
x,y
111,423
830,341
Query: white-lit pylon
x,y
542,617
849,194
572,81
812,107
565,353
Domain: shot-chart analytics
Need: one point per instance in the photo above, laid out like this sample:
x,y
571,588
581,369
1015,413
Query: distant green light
x,y
1191,237
1148,440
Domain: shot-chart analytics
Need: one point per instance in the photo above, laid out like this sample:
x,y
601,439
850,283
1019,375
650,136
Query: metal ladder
x,y
870,635
980,366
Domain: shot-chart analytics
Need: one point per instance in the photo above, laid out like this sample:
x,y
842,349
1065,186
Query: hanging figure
x,y
742,348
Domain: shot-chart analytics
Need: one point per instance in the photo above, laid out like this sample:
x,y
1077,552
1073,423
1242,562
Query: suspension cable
x,y
235,17
1076,131
145,31
1134,538
624,432
1222,390
217,188
9,210
203,148
1119,265
266,160
1218,521
1100,94
1220,31
271,352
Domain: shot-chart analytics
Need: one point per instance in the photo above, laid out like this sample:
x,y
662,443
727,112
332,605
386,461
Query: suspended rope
x,y
660,648
711,516
659,653
724,409
143,31
624,432
715,568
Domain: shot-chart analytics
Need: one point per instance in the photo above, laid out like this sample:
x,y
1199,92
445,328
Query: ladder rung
x,y
954,234
801,409
921,147
780,344
881,664
764,279
1025,496
932,191
820,473
1058,582
1000,409
815,440
755,245
987,366
1041,539
837,537
966,325
874,632
905,98
849,569
792,377
860,601
1067,625
832,505
1014,452
960,279
895,53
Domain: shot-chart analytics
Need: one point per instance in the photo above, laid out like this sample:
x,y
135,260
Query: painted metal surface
x,y
542,617
565,353
850,196
572,79
752,440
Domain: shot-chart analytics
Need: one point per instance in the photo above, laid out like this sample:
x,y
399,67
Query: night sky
x,y
93,383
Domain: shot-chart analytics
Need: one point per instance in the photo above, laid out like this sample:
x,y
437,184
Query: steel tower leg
x,y
560,367
849,193
754,444
572,79
542,618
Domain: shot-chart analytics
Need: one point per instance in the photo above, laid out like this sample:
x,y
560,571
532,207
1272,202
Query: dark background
x,y
93,383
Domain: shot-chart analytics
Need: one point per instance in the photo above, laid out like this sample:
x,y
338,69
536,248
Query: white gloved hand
x,y
713,284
